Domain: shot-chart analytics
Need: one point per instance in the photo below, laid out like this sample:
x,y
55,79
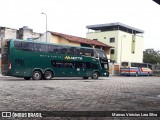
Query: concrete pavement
x,y
114,93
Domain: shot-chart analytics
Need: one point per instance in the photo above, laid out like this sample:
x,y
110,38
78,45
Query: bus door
x,y
69,69
81,69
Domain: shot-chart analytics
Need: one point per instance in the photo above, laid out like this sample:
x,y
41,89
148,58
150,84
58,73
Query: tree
x,y
151,56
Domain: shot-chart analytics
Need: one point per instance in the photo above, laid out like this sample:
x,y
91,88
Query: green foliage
x,y
151,56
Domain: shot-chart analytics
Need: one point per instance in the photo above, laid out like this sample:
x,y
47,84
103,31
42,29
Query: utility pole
x,y
46,24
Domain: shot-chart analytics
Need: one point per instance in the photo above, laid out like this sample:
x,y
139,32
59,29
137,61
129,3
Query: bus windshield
x,y
101,53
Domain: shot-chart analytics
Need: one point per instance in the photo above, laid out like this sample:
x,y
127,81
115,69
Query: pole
x,y
46,24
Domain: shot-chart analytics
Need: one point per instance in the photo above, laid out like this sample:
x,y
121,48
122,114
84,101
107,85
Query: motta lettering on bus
x,y
72,58
50,56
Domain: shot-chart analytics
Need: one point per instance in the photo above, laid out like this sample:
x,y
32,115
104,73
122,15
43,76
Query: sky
x,y
72,16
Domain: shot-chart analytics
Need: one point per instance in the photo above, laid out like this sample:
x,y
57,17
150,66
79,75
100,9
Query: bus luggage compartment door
x,y
19,67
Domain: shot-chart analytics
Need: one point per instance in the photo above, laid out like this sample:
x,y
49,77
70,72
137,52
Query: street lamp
x,y
121,48
46,24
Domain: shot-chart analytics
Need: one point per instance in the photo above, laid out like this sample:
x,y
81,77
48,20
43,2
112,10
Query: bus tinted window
x,y
124,64
40,47
18,45
134,64
80,65
101,53
68,65
27,46
143,65
59,64
70,50
55,49
89,52
64,50
62,64
94,66
81,51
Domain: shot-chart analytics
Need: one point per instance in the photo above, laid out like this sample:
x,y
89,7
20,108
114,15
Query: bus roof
x,y
52,44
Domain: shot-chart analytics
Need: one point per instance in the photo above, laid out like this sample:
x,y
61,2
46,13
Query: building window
x,y
112,40
104,37
112,51
95,39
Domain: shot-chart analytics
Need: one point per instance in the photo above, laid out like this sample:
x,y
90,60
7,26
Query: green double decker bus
x,y
36,60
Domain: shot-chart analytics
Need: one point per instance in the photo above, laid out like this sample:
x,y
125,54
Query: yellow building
x,y
59,38
126,40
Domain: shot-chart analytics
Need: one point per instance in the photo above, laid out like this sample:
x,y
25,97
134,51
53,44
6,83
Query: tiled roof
x,y
80,39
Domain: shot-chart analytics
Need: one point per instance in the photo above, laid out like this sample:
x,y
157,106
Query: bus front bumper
x,y
104,74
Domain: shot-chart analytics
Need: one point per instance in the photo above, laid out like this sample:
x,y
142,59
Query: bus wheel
x,y
48,75
37,75
85,77
27,78
95,75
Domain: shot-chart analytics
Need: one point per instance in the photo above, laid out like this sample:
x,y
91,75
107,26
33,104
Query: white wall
x,y
42,38
123,45
104,37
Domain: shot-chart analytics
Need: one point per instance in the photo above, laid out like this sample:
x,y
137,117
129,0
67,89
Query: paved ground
x,y
75,94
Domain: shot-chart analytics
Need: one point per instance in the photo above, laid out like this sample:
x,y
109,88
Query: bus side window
x,y
76,51
78,64
53,63
18,45
82,51
94,66
55,49
28,46
64,50
89,52
52,49
83,65
37,47
88,65
44,48
59,64
68,65
70,50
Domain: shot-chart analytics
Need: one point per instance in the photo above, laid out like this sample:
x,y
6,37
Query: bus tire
x,y
95,75
48,75
36,75
85,77
27,78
